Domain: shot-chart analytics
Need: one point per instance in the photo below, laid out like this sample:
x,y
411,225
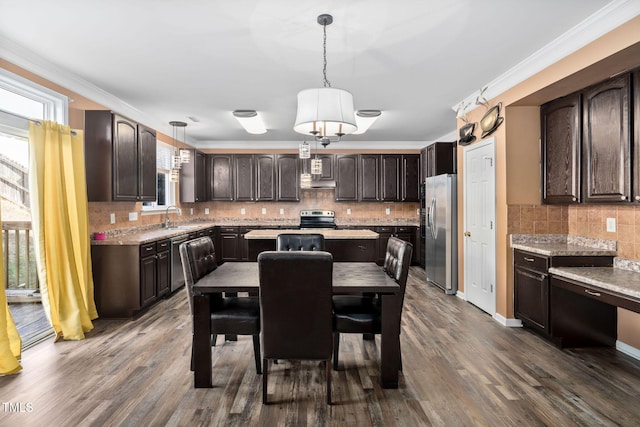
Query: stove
x,y
316,218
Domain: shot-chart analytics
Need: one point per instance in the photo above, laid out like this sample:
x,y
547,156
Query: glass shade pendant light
x,y
326,113
182,156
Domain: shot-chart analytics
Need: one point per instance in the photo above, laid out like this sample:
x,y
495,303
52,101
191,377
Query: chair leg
x,y
400,358
213,340
336,344
327,369
192,337
256,352
265,374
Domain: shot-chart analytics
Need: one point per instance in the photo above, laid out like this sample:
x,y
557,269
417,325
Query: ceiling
x,y
200,59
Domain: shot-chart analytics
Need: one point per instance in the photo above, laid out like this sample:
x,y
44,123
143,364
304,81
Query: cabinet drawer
x,y
384,229
228,230
163,245
531,261
147,249
404,229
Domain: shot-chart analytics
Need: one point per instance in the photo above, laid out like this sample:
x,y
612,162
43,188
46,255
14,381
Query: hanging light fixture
x,y
181,156
326,113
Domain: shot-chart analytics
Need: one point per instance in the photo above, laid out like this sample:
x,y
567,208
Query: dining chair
x,y
361,314
295,303
300,242
230,315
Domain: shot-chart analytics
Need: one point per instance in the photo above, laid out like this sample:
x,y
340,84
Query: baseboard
x,y
509,323
461,295
628,350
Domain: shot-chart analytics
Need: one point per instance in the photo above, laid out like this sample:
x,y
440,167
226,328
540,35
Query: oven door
x,y
177,275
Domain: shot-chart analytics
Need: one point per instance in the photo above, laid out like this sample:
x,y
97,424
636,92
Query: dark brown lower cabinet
x,y
227,246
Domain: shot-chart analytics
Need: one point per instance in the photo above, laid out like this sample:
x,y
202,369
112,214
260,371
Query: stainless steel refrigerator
x,y
441,242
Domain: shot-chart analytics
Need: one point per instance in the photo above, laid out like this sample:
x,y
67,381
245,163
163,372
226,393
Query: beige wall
x,y
518,197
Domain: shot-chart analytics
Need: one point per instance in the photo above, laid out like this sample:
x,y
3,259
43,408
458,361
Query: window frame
x,y
171,187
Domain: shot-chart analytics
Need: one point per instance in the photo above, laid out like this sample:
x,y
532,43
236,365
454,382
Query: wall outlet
x,y
133,216
191,211
112,218
264,211
243,211
418,211
281,211
387,211
611,225
206,211
348,211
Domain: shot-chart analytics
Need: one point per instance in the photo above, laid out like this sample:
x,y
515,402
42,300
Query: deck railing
x,y
19,258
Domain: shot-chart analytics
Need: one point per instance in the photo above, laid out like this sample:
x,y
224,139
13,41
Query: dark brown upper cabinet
x,y
220,176
370,177
244,177
410,177
390,173
346,171
288,177
327,168
193,181
265,165
606,164
120,158
561,133
438,158
636,136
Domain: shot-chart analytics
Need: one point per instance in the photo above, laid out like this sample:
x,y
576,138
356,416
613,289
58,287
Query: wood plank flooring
x,y
461,368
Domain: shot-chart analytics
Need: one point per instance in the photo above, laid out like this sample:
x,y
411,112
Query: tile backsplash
x,y
580,220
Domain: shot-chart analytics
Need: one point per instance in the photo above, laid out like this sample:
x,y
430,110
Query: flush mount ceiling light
x,y
326,113
250,121
364,120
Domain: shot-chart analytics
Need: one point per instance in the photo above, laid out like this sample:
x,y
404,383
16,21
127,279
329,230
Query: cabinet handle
x,y
574,199
623,197
595,294
529,259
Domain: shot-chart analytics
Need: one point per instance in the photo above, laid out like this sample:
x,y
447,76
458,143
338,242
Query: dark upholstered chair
x,y
300,242
295,301
362,314
231,315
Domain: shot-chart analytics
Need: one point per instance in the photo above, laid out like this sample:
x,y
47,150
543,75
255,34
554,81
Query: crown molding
x,y
289,145
595,26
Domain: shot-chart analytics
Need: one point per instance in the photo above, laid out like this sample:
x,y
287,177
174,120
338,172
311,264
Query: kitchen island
x,y
344,245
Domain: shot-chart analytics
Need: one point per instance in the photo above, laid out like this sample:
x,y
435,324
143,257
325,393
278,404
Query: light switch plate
x,y
264,211
133,216
206,211
611,225
112,218
387,211
243,211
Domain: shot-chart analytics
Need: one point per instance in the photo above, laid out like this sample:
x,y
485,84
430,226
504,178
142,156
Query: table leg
x,y
201,342
390,341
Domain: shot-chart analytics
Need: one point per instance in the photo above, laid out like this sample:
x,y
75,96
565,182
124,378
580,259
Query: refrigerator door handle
x,y
432,209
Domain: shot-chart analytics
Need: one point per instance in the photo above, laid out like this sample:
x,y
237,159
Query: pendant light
x,y
181,156
326,113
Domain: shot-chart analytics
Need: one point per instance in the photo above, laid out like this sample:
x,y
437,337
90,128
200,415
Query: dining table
x,y
348,278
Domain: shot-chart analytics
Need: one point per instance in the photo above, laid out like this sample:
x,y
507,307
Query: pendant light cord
x,y
326,82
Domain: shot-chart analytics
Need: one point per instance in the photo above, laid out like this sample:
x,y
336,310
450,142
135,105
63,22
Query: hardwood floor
x,y
461,368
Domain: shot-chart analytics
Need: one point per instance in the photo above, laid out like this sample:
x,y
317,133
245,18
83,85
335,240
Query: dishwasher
x,y
177,276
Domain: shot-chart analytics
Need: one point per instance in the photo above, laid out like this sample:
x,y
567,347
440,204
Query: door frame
x,y
467,149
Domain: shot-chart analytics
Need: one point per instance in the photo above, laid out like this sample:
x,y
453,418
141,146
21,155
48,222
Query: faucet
x,y
166,215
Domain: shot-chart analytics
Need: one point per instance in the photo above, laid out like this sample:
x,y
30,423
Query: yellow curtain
x,y
60,223
10,342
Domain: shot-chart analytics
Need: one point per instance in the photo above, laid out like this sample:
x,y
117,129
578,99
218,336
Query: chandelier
x,y
326,113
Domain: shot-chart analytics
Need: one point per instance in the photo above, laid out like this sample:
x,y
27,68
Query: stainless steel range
x,y
316,218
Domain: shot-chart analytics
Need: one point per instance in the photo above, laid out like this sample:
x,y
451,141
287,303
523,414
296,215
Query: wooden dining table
x,y
348,278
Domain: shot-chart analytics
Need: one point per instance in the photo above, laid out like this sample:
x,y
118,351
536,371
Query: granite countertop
x,y
623,278
328,234
146,236
562,245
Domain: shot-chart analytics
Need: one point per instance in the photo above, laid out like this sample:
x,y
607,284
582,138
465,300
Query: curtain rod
x,y
36,121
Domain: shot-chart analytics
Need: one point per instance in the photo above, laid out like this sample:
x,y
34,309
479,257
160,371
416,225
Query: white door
x,y
479,225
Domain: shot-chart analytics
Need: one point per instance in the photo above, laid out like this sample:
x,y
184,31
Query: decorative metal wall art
x,y
491,119
466,131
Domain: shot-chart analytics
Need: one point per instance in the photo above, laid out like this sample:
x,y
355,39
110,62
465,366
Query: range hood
x,y
326,184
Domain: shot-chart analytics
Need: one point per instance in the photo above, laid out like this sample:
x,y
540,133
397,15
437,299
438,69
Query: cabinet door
x,y
384,234
288,177
439,158
265,176
369,177
606,141
636,137
531,298
346,177
200,176
148,266
221,176
561,135
390,173
244,177
125,159
162,270
410,177
327,168
147,165
229,249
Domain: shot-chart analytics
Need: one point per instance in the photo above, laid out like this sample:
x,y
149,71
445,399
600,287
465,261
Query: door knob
x,y
467,234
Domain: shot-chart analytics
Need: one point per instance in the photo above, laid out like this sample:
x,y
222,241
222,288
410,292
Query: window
x,y
166,194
